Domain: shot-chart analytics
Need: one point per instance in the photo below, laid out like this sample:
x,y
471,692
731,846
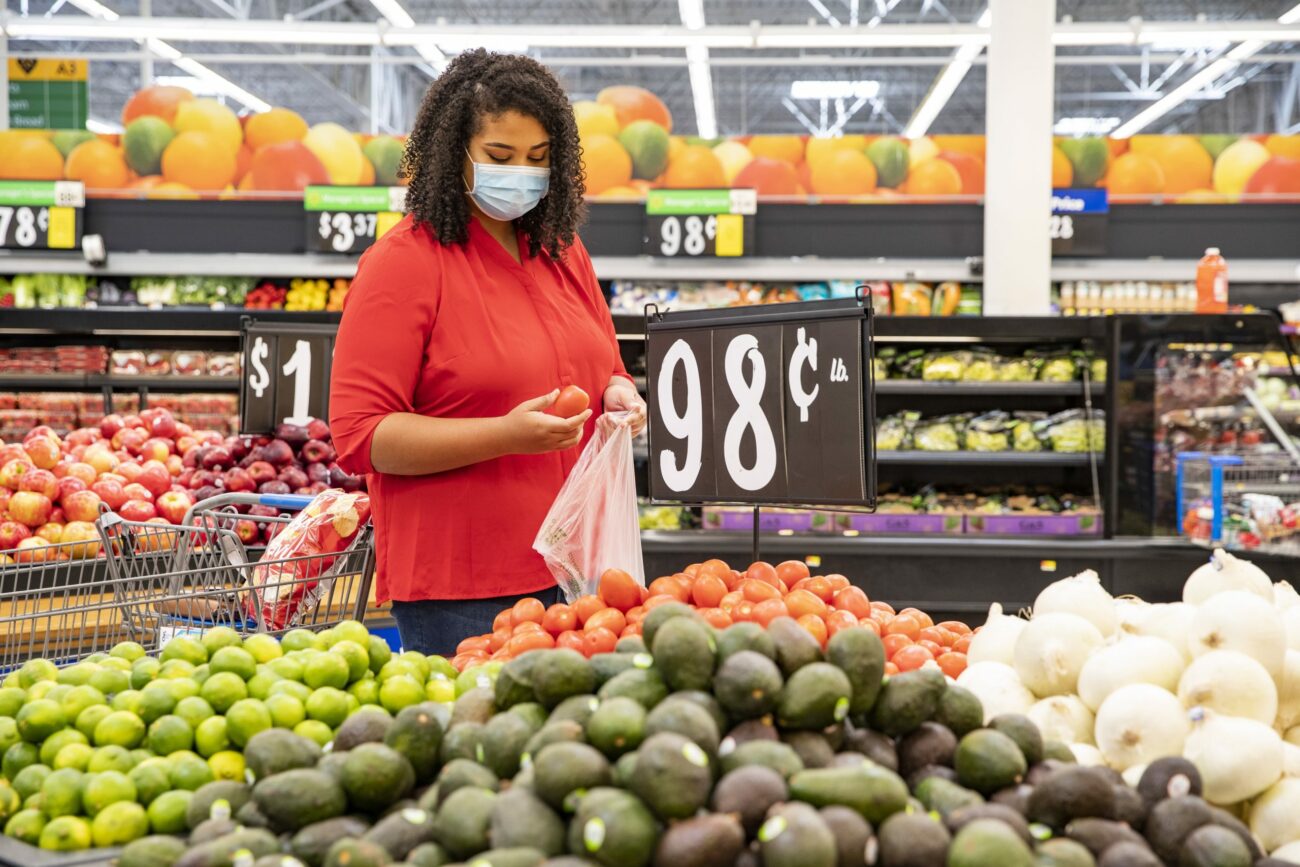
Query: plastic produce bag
x,y
593,525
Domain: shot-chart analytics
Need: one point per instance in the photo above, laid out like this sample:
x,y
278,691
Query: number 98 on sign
x,y
768,412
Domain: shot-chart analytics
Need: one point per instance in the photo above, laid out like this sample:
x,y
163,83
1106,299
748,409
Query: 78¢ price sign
x,y
762,406
41,215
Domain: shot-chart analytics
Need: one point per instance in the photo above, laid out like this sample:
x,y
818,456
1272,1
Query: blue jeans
x,y
437,625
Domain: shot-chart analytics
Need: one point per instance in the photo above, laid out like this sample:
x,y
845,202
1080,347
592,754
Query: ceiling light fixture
x,y
699,71
946,84
1075,126
806,88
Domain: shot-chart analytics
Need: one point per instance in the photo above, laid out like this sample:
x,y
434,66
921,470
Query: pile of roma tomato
x,y
821,604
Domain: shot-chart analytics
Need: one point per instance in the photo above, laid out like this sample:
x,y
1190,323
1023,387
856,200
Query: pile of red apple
x,y
150,468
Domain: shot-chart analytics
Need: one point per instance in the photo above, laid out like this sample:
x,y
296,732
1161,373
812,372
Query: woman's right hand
x,y
530,430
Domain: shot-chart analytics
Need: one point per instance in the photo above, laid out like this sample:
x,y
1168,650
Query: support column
x,y
146,60
1018,170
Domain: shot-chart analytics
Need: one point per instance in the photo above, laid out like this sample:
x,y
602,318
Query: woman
x,y
461,326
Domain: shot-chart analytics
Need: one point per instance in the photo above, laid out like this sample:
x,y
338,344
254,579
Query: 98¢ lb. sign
x,y
769,405
286,374
699,223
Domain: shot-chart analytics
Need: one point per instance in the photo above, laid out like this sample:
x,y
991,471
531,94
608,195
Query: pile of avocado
x,y
693,747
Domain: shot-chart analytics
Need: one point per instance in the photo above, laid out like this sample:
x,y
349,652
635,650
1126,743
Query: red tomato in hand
x,y
572,400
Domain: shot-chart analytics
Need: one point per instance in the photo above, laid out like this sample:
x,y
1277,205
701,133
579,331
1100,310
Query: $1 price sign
x,y
350,219
1077,225
286,374
699,223
41,215
764,406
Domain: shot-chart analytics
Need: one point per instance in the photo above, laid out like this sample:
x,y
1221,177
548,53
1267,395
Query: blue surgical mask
x,y
508,192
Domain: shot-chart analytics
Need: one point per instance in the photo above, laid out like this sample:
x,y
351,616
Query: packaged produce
x,y
1074,431
187,363
946,299
892,433
1023,437
155,291
1097,369
981,366
911,299
942,434
944,366
990,432
1058,367
1023,369
223,364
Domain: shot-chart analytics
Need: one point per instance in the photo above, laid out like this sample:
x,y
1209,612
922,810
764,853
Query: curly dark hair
x,y
478,83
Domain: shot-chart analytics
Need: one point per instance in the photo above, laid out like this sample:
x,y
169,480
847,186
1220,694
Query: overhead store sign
x,y
41,215
699,223
768,405
350,219
286,374
48,93
1078,222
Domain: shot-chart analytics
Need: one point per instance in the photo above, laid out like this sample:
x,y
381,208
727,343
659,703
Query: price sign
x,y
350,219
41,215
286,374
699,223
768,405
1078,222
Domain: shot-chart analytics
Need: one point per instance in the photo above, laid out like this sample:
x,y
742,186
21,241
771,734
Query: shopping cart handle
x,y
285,501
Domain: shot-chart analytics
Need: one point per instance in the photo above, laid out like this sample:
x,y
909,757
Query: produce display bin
x,y
1034,525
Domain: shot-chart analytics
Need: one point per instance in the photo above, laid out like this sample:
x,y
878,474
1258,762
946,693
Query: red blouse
x,y
464,331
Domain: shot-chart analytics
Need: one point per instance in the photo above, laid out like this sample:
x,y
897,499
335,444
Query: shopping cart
x,y
1240,502
148,582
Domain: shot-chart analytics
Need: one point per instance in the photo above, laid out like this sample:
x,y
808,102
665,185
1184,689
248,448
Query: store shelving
x,y
982,389
85,381
990,459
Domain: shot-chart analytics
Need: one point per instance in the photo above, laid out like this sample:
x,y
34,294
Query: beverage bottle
x,y
1212,283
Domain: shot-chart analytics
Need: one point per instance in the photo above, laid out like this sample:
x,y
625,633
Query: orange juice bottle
x,y
1212,283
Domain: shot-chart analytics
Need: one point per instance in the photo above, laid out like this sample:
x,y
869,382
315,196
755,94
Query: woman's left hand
x,y
622,396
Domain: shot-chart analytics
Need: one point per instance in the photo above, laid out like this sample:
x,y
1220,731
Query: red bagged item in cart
x,y
292,574
594,525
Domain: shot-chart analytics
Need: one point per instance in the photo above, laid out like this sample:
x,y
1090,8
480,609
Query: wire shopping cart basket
x,y
148,582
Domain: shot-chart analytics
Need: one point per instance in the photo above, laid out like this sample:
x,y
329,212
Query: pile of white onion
x,y
1214,678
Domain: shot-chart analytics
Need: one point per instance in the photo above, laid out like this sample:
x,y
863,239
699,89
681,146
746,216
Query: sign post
x,y
41,215
350,219
1078,222
286,374
770,405
699,223
48,93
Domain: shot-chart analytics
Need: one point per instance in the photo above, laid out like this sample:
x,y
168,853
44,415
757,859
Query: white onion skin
x,y
1083,596
1225,572
1236,620
1238,758
1138,724
1051,651
1231,684
1136,659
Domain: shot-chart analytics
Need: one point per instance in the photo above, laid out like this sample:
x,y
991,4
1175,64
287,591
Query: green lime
x,y
58,741
81,697
110,680
26,826
11,681
143,671
90,717
75,756
39,719
151,778
263,647
314,730
111,758
142,754
182,688
218,637
211,736
8,733
76,675
289,669
170,733
245,719
443,691
116,663
177,668
156,700
29,780
193,710
223,689
420,662
119,824
356,656
120,728
441,665
128,701
399,692
365,691
352,630
40,689
228,765
66,834
327,638
185,647
18,757
379,652
235,660
398,667
201,675
36,670
167,812
107,788
300,691
301,639
328,705
286,711
326,669
11,699
259,685
188,771
128,650
61,793
57,692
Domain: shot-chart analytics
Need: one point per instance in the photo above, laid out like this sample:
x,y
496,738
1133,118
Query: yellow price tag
x,y
730,237
384,221
62,234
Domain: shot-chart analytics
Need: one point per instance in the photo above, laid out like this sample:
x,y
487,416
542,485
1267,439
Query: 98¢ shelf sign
x,y
286,374
767,405
699,223
350,219
41,215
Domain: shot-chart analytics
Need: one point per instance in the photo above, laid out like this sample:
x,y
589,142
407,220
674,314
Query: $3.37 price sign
x,y
693,223
286,374
764,406
350,219
41,215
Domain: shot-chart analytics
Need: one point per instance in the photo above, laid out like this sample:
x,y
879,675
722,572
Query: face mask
x,y
508,192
